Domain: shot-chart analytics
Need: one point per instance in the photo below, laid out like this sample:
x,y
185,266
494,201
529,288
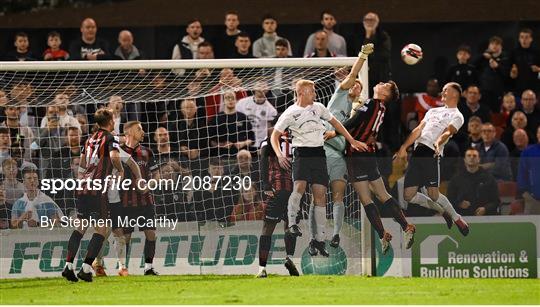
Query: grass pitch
x,y
243,289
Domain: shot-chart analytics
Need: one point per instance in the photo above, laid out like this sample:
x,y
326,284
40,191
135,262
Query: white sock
x,y
312,222
69,265
445,203
293,207
261,268
426,202
86,268
120,247
147,266
320,220
339,214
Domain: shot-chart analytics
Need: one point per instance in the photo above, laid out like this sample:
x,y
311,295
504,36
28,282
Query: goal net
x,y
189,113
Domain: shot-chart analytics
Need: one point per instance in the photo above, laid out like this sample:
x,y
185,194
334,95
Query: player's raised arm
x,y
415,134
357,145
348,83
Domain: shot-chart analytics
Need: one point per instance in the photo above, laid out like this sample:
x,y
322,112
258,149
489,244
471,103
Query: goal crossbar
x,y
174,64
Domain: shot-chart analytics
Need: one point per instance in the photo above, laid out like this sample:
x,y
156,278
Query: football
x,y
411,54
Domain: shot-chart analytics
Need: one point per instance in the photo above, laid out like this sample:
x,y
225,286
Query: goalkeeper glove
x,y
366,50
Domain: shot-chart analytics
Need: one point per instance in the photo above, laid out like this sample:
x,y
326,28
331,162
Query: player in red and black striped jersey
x,y
277,186
133,203
362,166
98,158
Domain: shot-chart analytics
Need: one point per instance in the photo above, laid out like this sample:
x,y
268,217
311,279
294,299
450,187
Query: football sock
x,y
320,221
93,248
264,249
149,251
374,218
120,248
397,212
339,214
312,222
445,203
99,257
293,207
290,245
73,245
426,202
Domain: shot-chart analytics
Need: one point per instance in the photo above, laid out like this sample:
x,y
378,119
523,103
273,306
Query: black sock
x,y
73,245
374,217
93,248
149,251
264,249
397,212
290,245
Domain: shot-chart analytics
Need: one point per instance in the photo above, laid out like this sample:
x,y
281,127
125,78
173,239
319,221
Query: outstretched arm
x,y
362,57
357,145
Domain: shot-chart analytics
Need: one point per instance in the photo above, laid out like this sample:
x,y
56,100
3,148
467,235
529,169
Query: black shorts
x,y
142,213
93,207
309,164
276,208
363,166
423,169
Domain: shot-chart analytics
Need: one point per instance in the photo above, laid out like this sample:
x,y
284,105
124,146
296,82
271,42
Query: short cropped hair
x,y
103,117
243,34
282,43
53,34
21,34
130,124
193,20
526,30
456,86
326,12
304,82
496,39
475,119
473,149
205,44
465,48
9,161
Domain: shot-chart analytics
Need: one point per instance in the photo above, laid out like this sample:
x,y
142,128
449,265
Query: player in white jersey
x,y
305,120
429,138
340,105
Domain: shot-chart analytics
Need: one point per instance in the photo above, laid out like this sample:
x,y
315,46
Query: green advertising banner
x,y
491,250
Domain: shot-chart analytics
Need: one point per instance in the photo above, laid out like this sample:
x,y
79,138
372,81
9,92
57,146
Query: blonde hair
x,y
303,82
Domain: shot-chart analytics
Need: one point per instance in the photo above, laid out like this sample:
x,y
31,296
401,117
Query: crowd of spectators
x,y
219,134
